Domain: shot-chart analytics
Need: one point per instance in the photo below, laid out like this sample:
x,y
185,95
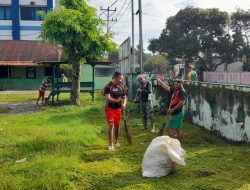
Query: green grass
x,y
65,147
4,109
18,98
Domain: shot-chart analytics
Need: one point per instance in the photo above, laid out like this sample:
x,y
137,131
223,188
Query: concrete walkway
x,y
19,92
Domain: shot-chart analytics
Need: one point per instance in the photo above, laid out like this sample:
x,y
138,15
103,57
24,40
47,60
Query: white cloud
x,y
155,13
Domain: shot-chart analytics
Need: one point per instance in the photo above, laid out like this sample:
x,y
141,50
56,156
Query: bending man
x,y
175,111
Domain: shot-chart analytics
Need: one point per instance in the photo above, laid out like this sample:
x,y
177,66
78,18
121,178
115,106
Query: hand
x,y
123,106
139,90
170,111
159,80
118,100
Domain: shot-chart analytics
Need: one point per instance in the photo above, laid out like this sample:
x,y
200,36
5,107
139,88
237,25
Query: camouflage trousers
x,y
147,112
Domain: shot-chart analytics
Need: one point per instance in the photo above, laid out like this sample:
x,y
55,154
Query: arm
x,y
178,106
112,100
163,85
124,102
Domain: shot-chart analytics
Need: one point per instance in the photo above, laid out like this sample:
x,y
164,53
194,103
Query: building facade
x,y
19,19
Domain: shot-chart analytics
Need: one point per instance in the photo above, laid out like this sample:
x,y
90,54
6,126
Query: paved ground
x,y
19,108
19,92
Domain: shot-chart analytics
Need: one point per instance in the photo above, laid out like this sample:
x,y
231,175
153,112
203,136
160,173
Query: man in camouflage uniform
x,y
145,90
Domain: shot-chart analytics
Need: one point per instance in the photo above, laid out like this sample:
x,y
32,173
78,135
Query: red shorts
x,y
41,93
113,116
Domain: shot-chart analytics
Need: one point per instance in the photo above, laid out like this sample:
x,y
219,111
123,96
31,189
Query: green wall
x,y
20,84
86,76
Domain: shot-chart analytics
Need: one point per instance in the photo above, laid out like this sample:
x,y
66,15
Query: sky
x,y
154,15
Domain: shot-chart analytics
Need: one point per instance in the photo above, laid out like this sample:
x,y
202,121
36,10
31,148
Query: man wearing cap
x,y
175,111
145,90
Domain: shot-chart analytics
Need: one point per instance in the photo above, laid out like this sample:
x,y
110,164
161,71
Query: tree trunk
x,y
75,89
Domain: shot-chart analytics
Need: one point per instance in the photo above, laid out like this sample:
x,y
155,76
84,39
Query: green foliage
x,y
157,64
65,147
76,29
193,32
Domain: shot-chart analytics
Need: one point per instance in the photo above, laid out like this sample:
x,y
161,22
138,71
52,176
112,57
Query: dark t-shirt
x,y
116,92
177,96
146,90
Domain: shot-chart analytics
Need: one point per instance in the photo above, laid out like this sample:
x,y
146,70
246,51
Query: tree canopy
x,y
77,31
198,34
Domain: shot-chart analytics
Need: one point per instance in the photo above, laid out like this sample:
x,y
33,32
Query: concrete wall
x,y
224,109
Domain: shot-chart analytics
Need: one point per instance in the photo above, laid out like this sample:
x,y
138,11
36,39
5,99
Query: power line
x,y
108,15
121,8
122,14
103,12
114,3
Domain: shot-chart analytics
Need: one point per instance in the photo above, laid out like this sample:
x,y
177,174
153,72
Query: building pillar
x,y
49,5
15,14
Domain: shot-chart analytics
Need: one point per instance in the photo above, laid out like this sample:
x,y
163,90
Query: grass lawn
x,y
65,148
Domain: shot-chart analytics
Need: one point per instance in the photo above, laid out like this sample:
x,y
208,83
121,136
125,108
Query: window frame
x,y
33,14
28,72
5,12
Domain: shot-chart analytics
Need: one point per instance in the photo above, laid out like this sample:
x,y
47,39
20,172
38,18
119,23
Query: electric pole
x,y
108,10
140,34
133,38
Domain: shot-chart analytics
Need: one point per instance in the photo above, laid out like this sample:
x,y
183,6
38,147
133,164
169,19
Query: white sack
x,y
160,155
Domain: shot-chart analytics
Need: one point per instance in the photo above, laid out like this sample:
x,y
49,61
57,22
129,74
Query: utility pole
x,y
108,15
140,34
133,38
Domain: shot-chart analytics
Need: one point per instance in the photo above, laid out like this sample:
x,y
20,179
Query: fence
x,y
242,78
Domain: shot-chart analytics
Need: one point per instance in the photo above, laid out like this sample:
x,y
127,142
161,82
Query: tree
x,y
76,30
157,64
192,32
240,25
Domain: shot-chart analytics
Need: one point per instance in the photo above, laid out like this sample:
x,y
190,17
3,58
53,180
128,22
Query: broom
x,y
126,117
161,131
127,134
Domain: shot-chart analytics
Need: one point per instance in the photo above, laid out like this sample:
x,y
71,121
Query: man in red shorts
x,y
115,101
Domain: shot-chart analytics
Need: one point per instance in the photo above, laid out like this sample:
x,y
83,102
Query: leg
x,y
170,132
144,114
117,120
150,114
42,99
179,134
116,134
110,135
110,119
38,99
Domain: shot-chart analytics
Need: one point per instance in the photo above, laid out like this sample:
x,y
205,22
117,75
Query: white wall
x,y
221,109
29,35
30,23
37,2
6,34
5,2
232,67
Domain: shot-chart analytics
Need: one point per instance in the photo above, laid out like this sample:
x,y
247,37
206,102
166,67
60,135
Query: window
x,y
104,72
3,72
30,13
48,71
5,13
30,72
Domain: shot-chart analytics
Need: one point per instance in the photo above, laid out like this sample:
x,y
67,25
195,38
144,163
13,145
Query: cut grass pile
x,y
65,148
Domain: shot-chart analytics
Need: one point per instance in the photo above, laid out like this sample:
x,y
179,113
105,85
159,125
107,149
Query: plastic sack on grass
x,y
161,155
